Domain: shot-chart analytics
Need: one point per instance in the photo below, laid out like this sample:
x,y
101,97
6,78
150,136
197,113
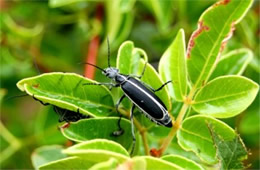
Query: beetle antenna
x,y
96,67
13,97
108,52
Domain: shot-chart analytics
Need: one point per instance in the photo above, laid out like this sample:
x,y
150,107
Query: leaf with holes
x,y
231,153
216,26
194,135
67,90
225,96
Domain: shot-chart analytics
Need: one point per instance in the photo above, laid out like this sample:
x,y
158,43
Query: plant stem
x,y
176,126
15,143
142,132
178,122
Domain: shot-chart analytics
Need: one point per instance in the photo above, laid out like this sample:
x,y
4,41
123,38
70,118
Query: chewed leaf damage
x,y
195,34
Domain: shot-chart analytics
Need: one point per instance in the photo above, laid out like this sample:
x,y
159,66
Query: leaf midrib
x,y
195,134
212,49
217,98
65,102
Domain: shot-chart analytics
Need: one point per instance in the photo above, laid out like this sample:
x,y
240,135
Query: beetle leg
x,y
45,104
141,73
162,86
120,131
132,127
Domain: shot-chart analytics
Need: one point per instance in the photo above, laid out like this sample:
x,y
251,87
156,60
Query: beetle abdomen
x,y
147,101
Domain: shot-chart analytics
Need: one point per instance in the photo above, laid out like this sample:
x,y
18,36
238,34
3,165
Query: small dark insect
x,y
65,115
142,96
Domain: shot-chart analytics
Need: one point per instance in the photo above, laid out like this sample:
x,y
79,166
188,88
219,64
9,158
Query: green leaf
x,y
58,3
120,17
68,163
182,162
156,163
233,63
128,58
101,128
162,11
42,156
110,164
230,153
67,90
135,164
172,66
215,27
225,96
98,150
195,136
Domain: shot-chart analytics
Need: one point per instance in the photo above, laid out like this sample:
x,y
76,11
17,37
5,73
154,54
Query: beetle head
x,y
111,72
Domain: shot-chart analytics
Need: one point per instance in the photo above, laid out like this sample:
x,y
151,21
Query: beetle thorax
x,y
111,72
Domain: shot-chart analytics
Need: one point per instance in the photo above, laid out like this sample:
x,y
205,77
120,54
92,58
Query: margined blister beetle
x,y
142,96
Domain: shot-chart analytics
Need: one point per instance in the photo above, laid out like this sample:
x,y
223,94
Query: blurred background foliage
x,y
56,35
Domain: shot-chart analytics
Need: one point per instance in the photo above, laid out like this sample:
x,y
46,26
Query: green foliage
x,y
216,26
195,136
72,94
231,153
211,80
99,128
173,67
236,94
182,162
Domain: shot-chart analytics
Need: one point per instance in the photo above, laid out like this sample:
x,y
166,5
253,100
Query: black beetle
x,y
140,94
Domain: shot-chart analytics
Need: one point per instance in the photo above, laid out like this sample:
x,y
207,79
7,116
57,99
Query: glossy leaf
x,y
195,136
67,90
99,128
68,163
230,153
233,63
42,156
173,67
225,96
156,163
182,162
215,27
98,150
110,164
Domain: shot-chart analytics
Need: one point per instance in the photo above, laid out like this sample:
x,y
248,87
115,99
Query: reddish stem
x,y
93,47
92,57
